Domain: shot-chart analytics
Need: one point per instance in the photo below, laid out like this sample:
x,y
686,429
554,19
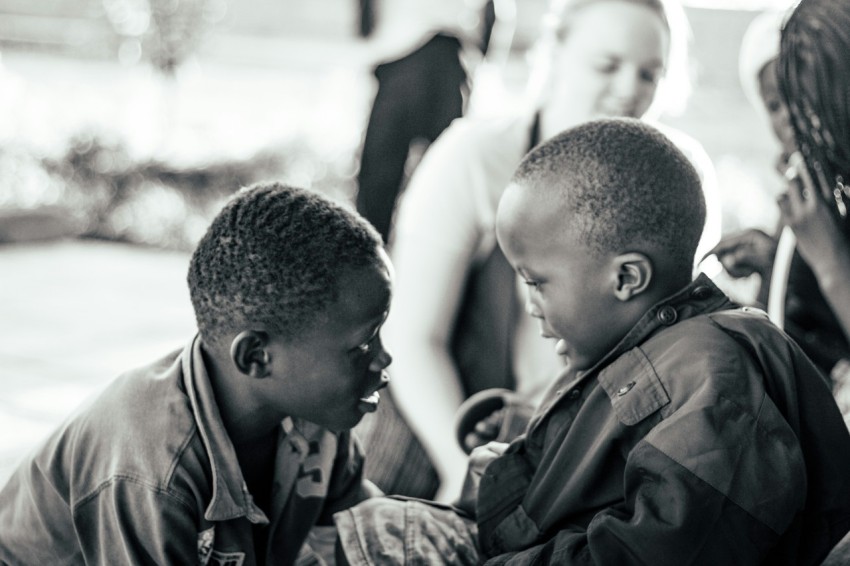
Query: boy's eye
x,y
532,283
366,347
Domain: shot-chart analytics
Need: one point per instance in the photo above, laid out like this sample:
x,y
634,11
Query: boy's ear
x,y
634,273
249,354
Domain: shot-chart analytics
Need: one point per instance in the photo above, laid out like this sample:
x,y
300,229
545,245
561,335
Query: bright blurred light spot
x,y
54,399
711,266
128,17
130,52
19,434
215,10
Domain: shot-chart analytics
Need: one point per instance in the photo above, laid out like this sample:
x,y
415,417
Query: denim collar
x,y
230,496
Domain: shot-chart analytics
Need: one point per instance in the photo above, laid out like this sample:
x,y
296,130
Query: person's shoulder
x,y
131,433
710,355
719,420
488,134
142,389
461,177
137,425
729,329
731,355
711,330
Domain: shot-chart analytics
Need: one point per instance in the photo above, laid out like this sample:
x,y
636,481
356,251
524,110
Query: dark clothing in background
x,y
418,97
810,320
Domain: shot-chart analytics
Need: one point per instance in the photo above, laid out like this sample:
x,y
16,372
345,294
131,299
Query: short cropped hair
x,y
272,259
624,186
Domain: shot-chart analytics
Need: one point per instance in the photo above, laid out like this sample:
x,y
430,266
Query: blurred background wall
x,y
191,82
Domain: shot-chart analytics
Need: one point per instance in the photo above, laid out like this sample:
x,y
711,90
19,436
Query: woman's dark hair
x,y
814,79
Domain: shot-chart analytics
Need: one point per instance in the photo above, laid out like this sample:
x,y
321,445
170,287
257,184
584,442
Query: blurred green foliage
x,y
94,189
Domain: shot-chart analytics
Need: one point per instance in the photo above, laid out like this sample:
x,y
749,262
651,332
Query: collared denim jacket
x,y
704,437
146,474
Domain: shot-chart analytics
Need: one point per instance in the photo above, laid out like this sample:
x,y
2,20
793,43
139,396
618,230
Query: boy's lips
x,y
561,344
369,403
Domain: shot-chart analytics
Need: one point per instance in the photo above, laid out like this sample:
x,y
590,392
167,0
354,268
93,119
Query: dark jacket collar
x,y
699,297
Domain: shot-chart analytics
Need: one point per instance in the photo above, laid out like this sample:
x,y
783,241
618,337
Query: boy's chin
x,y
340,425
351,418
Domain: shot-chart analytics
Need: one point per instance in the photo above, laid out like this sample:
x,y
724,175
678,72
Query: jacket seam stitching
x,y
132,479
179,454
726,496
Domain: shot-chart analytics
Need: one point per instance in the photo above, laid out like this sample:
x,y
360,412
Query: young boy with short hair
x,y
685,430
229,450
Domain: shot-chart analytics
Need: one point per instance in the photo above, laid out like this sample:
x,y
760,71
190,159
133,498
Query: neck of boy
x,y
245,417
661,288
257,454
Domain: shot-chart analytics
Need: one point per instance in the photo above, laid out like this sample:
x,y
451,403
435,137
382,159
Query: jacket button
x,y
701,292
667,315
574,394
625,389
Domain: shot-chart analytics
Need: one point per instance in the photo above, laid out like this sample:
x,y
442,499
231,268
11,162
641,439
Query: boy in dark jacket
x,y
685,430
231,449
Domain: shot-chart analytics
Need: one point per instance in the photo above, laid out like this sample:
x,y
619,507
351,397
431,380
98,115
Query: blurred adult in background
x,y
814,79
422,47
805,91
757,61
456,326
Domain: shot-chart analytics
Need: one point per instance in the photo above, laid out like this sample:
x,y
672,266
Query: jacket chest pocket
x,y
633,387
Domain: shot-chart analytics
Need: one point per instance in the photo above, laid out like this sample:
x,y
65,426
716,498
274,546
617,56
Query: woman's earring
x,y
840,191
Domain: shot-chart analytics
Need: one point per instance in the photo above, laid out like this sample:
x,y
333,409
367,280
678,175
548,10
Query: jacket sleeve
x,y
129,522
711,485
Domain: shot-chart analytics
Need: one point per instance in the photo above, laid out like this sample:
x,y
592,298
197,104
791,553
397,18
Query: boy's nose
x,y
532,309
381,361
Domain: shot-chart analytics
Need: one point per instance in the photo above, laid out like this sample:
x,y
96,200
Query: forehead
x,y
530,220
364,294
614,26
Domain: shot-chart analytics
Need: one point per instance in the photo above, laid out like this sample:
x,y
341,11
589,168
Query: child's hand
x,y
746,253
491,414
478,461
805,209
486,430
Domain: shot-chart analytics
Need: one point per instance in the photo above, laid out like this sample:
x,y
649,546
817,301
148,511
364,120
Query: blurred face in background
x,y
608,63
777,110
